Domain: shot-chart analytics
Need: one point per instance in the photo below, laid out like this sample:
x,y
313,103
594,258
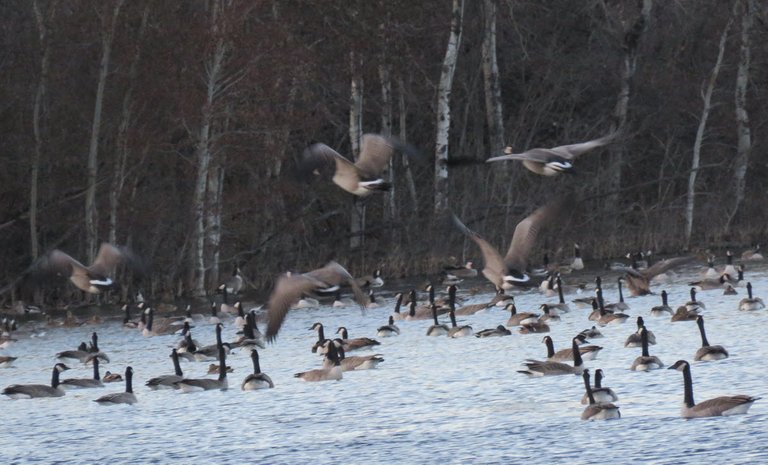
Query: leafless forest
x,y
175,128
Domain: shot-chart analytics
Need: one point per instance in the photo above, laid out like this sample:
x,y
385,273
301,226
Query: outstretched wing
x,y
574,150
320,159
494,265
526,232
374,154
664,265
288,289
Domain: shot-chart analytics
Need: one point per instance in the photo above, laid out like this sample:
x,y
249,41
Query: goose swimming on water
x,y
597,410
719,406
29,391
127,397
707,352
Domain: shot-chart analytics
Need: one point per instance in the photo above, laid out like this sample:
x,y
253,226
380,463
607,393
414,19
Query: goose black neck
x,y
688,386
333,353
598,379
248,332
150,320
434,313
222,363
213,309
749,290
96,368
127,314
412,308
176,364
398,303
255,360
700,322
452,297
560,290
55,377
693,294
577,361
644,341
550,346
621,294
512,309
341,354
431,294
391,320
129,379
320,333
240,311
588,388
225,294
344,333
191,347
218,334
600,302
640,322
664,298
453,319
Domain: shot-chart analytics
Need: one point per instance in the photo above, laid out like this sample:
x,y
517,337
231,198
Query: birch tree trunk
x,y
91,214
120,166
744,143
444,108
402,113
631,41
357,226
386,130
707,98
493,108
39,119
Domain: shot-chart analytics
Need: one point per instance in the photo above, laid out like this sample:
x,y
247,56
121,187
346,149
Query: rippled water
x,y
433,399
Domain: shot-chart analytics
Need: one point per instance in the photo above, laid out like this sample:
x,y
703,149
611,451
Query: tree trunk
x,y
386,129
120,166
707,97
357,226
402,123
39,119
444,108
493,108
91,214
631,41
744,143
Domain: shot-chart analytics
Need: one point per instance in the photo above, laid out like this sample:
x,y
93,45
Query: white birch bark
x,y
357,226
386,129
444,107
493,107
91,214
744,141
707,99
39,118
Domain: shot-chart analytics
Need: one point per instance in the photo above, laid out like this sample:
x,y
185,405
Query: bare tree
x,y
444,107
493,107
707,99
357,226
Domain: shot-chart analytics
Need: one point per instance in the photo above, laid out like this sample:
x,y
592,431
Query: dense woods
x,y
175,128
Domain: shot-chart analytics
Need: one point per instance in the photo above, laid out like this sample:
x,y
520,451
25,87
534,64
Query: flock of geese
x,y
511,271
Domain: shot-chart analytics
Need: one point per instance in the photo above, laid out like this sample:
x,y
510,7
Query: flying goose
x,y
29,391
517,319
587,352
289,288
707,352
664,308
207,384
81,354
600,393
509,271
168,381
94,278
635,339
390,329
458,331
127,397
750,302
494,332
437,329
638,281
360,178
645,361
353,363
597,410
370,280
555,160
84,383
538,368
334,373
257,379
719,406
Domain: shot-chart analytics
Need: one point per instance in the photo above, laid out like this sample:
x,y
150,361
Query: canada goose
x,y
83,354
619,306
94,350
7,361
635,339
356,343
561,305
334,373
591,333
638,281
251,337
555,160
600,393
369,280
372,303
84,383
606,318
257,379
719,406
233,285
168,381
707,352
693,304
128,322
213,369
396,314
207,384
94,278
212,351
711,272
729,269
360,178
532,328
750,302
494,332
187,345
577,263
127,397
240,318
437,329
318,327
29,391
645,361
729,290
110,377
423,312
684,314
467,271
752,254
458,331
517,319
548,315
472,309
538,368
353,363
664,308
290,288
708,284
509,271
389,329
587,352
597,410
158,327
500,299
